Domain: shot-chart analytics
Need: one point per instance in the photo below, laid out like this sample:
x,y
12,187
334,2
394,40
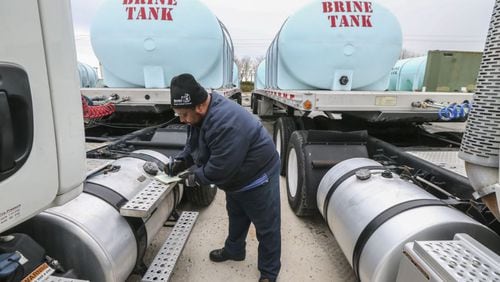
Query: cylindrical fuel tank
x,y
145,43
373,213
88,75
89,235
336,45
408,74
260,76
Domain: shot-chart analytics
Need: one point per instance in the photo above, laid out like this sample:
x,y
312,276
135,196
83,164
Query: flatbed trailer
x,y
331,143
374,106
147,98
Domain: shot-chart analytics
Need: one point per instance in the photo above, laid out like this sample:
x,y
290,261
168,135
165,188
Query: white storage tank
x,y
236,77
260,76
408,74
335,45
146,43
88,76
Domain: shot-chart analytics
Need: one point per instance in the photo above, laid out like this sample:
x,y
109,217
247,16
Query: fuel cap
x,y
363,174
151,168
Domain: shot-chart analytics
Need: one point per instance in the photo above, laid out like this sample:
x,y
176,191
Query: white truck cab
x,y
42,149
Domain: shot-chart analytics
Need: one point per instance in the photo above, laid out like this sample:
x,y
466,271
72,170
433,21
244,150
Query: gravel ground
x,y
309,250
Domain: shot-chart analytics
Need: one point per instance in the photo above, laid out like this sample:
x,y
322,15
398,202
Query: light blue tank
x,y
408,74
236,78
335,45
88,75
260,76
145,45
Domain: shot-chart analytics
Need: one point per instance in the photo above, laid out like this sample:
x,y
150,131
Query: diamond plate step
x,y
146,201
448,160
163,264
462,259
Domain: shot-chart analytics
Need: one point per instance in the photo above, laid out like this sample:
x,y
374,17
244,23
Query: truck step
x,y
163,264
146,201
461,259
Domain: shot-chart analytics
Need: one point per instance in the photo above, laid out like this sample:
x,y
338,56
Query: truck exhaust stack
x,y
481,143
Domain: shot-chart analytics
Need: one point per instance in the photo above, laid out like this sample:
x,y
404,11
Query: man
x,y
230,148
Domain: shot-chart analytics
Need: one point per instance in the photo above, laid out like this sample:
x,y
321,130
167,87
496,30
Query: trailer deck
x,y
371,105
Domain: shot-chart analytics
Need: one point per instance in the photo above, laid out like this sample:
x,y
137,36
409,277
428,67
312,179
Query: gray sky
x,y
426,24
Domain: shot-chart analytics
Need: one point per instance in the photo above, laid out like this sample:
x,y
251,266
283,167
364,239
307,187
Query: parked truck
x,y
382,167
71,210
142,45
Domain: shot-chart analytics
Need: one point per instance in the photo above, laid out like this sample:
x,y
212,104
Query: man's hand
x,y
175,167
188,177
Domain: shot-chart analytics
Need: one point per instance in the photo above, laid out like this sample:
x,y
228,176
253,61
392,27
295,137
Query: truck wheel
x,y
238,98
254,103
296,175
282,130
201,196
305,123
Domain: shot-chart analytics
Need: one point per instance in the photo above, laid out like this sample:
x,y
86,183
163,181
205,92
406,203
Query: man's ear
x,y
200,109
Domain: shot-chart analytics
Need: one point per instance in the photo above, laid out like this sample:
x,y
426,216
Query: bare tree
x,y
247,67
258,60
244,66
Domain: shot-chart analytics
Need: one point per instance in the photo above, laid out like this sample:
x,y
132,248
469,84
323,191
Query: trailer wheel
x,y
200,196
238,98
254,103
296,175
283,128
305,123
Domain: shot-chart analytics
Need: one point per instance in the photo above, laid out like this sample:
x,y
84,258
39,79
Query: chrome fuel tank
x,y
90,236
373,213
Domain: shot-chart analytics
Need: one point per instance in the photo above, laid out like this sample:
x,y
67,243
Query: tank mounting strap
x,y
116,200
146,158
340,181
163,264
380,220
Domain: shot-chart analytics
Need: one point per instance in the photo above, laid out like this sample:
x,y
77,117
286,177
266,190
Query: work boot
x,y
220,255
267,280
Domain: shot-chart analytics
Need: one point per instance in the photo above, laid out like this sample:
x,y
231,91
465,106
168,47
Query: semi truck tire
x,y
254,104
238,98
282,129
201,196
305,123
296,175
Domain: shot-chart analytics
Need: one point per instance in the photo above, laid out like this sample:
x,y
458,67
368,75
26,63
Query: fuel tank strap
x,y
116,200
340,181
147,158
380,220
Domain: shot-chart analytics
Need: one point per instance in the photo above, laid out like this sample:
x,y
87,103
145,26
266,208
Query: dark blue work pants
x,y
261,206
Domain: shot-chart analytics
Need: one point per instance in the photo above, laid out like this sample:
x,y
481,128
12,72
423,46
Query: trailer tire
x,y
238,98
254,103
201,196
296,182
282,129
305,123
